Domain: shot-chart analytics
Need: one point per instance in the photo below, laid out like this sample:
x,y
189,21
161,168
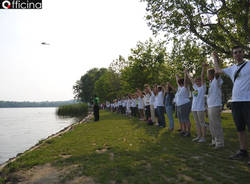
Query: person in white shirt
x,y
214,103
240,76
128,105
198,105
140,104
133,105
183,105
147,102
155,105
152,109
160,106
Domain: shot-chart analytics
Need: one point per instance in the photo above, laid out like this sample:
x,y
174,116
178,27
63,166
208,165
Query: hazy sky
x,y
82,35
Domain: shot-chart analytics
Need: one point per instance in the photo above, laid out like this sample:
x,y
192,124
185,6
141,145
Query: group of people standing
x,y
150,104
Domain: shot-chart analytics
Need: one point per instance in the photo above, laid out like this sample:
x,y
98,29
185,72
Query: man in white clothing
x,y
240,75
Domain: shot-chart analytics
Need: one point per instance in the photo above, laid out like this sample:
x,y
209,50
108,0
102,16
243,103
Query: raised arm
x,y
177,78
204,65
170,85
216,63
187,76
139,92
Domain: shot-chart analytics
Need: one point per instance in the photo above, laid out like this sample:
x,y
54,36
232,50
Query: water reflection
x,y
22,128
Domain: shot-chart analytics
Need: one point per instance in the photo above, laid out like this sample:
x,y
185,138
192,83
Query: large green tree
x,y
84,88
108,86
219,24
146,64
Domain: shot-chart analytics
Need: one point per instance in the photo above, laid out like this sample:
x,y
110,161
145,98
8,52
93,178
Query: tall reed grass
x,y
73,110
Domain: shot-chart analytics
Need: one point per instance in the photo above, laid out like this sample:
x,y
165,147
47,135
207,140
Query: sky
x,y
81,35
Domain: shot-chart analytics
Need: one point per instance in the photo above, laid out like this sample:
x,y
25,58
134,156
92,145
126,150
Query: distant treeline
x,y
12,104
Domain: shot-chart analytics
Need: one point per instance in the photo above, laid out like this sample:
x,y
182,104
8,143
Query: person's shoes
x,y
187,134
240,155
182,133
196,139
170,129
248,163
201,140
212,144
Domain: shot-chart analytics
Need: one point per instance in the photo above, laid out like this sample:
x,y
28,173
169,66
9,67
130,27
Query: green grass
x,y
73,110
137,153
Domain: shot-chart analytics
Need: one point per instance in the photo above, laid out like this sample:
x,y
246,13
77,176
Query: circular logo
x,y
6,4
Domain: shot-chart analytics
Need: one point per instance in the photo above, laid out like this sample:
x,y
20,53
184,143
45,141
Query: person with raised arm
x,y
140,104
198,105
240,76
183,104
214,103
147,103
169,105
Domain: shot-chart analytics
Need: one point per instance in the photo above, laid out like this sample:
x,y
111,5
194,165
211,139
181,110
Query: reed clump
x,y
73,110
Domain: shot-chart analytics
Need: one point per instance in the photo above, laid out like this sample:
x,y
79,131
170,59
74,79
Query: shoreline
x,y
66,129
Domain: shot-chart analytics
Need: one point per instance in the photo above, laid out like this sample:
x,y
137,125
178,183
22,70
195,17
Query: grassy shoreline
x,y
118,149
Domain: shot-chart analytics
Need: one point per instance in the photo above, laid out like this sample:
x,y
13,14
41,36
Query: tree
x,y
220,24
107,87
84,88
187,54
146,64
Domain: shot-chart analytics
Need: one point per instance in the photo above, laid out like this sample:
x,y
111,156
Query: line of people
x,y
150,104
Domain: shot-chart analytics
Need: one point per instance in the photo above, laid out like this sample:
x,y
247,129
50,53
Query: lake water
x,y
22,128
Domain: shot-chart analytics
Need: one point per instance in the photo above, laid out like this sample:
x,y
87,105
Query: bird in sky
x,y
45,43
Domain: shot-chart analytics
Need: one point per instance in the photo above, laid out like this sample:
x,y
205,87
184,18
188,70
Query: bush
x,y
73,110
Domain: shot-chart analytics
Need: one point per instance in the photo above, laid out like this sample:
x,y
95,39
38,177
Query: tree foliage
x,y
220,24
84,88
146,65
108,86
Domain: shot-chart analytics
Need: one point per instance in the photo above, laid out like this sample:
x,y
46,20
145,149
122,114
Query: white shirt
x,y
159,99
198,103
133,103
182,96
214,98
140,103
152,99
241,86
147,99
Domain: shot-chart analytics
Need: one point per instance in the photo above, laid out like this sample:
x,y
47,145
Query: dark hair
x,y
211,71
159,88
181,81
170,89
237,47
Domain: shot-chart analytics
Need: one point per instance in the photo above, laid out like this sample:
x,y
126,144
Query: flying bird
x,y
44,43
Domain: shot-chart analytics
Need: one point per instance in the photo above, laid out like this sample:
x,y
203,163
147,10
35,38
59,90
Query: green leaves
x,y
219,24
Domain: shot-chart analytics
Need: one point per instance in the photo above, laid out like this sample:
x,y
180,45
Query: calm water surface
x,y
22,128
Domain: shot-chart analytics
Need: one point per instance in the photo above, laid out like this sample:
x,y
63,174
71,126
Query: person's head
x,y
210,74
147,88
170,89
197,81
238,53
159,88
181,82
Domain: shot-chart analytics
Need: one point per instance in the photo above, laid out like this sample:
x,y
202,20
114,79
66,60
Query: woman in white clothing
x,y
183,105
214,102
198,105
